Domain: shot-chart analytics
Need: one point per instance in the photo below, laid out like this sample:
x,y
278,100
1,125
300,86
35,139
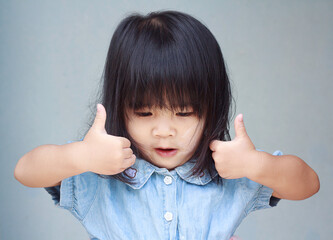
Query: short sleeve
x,y
76,193
260,196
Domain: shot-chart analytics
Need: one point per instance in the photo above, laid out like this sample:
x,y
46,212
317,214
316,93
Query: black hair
x,y
167,59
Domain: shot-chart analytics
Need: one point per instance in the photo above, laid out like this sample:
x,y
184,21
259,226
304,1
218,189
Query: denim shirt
x,y
162,204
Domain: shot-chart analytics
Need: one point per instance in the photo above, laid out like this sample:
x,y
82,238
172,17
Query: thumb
x,y
240,130
100,118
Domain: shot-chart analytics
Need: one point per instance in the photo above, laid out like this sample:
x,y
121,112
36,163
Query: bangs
x,y
165,70
163,94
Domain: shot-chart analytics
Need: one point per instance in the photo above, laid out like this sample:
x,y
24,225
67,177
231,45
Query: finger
x,y
127,152
100,118
240,130
129,161
213,145
125,142
214,156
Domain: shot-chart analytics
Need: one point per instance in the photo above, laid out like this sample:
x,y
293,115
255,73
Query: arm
x,y
99,152
48,165
288,175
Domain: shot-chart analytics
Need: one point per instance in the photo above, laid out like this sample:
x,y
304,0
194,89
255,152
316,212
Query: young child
x,y
158,161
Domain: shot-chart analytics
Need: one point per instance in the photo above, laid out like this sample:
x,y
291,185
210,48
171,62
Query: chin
x,y
164,164
161,162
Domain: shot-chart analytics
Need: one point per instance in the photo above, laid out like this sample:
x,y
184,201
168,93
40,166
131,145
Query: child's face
x,y
157,128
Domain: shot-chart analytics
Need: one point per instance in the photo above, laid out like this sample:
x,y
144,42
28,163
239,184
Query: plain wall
x,y
279,57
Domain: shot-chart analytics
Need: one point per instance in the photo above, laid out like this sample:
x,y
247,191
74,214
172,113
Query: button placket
x,y
168,216
169,188
167,180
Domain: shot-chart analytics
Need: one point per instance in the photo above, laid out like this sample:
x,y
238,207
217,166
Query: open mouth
x,y
166,152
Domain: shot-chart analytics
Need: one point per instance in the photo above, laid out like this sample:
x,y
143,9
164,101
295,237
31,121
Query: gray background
x,y
279,55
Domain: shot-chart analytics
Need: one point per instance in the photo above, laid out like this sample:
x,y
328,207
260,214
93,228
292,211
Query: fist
x,y
106,154
234,159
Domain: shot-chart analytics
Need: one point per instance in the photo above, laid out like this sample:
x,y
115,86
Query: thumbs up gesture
x,y
235,159
106,154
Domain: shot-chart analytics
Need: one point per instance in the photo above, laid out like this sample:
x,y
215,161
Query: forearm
x,y
47,165
289,176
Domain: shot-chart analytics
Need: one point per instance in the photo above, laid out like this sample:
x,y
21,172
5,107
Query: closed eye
x,y
185,114
143,114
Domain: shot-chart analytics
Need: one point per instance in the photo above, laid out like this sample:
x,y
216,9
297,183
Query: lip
x,y
166,153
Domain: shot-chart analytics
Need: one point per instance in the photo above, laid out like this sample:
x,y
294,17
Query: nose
x,y
163,128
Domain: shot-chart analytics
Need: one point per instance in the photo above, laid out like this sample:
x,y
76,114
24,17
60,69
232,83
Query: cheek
x,y
136,130
130,128
189,133
192,135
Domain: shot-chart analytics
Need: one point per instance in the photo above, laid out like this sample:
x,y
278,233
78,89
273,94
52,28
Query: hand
x,y
236,158
106,154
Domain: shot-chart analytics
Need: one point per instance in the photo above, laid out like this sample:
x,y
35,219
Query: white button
x,y
168,180
168,216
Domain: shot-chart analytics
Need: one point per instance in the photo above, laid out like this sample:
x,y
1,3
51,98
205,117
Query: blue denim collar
x,y
141,171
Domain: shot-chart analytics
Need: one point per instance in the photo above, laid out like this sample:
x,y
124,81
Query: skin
x,y
288,175
162,128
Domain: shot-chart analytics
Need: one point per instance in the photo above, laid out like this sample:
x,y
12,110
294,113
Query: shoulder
x,y
256,195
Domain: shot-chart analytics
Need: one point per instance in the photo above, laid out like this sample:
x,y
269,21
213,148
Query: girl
x,y
158,161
